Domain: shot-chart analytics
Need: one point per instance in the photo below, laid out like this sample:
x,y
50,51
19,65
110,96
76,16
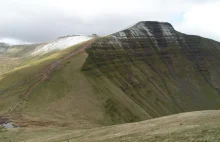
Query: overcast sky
x,y
34,21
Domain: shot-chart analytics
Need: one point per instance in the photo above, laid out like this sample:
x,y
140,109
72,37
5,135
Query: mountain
x,y
146,71
161,70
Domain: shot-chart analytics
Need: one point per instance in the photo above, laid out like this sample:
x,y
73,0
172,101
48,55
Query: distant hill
x,y
3,47
22,53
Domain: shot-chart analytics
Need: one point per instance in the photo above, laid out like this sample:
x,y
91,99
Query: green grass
x,y
192,126
31,69
67,97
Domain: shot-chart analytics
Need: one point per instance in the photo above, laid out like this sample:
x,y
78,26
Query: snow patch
x,y
141,25
136,32
168,34
116,40
166,30
8,125
60,44
122,34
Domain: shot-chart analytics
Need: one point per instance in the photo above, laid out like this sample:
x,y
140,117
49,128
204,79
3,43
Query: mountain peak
x,y
147,29
154,22
150,24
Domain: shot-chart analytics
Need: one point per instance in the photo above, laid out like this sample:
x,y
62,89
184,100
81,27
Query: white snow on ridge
x,y
166,30
61,43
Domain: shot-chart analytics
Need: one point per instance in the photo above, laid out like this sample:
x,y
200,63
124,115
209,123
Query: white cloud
x,y
12,41
43,20
202,19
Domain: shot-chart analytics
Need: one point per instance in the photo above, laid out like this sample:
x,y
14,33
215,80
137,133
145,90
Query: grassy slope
x,y
67,100
7,63
68,97
192,126
15,57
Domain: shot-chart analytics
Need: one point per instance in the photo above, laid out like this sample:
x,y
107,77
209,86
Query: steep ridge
x,y
160,69
61,43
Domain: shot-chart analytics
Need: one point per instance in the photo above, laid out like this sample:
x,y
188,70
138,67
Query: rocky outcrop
x,y
160,69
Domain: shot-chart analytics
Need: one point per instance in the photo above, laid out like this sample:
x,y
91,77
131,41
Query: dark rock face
x,y
161,70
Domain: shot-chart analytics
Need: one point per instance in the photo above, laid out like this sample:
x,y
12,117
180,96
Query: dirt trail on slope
x,y
52,66
49,69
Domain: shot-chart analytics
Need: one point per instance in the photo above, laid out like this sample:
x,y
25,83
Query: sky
x,y
34,21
